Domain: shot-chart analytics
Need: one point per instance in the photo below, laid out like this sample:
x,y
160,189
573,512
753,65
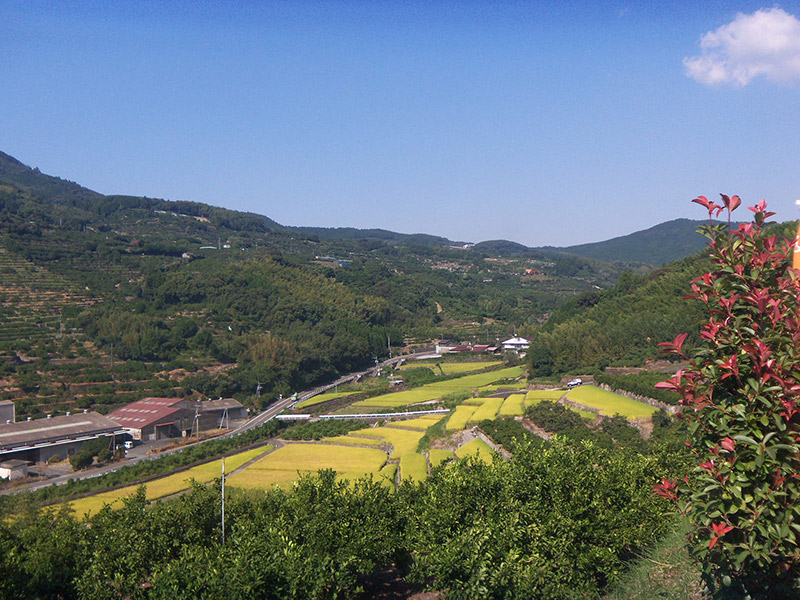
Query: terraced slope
x,y
33,299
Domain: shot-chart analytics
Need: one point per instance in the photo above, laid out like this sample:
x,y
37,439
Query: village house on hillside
x,y
516,344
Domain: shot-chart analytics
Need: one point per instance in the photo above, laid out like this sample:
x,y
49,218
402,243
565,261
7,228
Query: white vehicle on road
x,y
575,383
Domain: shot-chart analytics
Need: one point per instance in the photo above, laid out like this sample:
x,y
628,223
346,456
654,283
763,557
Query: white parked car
x,y
575,383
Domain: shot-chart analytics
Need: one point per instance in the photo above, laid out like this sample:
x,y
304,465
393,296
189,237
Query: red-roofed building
x,y
155,418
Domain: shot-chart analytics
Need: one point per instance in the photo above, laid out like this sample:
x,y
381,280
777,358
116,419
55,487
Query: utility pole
x,y
223,500
196,422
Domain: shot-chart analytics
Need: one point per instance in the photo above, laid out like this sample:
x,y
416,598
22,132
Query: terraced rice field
x,y
610,403
166,486
437,456
536,396
388,474
466,367
320,398
352,440
420,423
286,464
474,401
514,406
435,390
404,441
451,368
487,410
477,448
517,385
413,467
460,416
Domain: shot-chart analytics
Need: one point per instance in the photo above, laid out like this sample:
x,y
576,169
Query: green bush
x,y
556,522
642,383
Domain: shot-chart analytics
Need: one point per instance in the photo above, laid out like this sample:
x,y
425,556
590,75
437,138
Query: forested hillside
x,y
657,245
624,324
105,297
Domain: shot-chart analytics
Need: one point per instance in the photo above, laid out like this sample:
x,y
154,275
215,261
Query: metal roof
x,y
147,411
39,431
221,404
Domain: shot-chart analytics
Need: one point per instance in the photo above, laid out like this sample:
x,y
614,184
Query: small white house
x,y
517,344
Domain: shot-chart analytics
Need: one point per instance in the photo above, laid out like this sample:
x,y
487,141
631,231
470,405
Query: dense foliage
x,y
621,325
554,522
642,383
739,398
508,432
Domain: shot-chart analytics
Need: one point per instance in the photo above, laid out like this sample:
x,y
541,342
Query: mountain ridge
x,y
657,245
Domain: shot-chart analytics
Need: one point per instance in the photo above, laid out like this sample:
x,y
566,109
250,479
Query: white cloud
x,y
766,43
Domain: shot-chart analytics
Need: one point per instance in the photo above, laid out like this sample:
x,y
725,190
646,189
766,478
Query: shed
x,y
14,469
216,413
7,414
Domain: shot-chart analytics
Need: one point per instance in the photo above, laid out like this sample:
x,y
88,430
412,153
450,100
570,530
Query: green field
x,y
474,401
437,456
413,467
610,403
435,390
536,396
352,440
404,441
285,464
387,475
520,385
487,410
421,423
320,398
477,448
459,417
514,406
166,486
451,368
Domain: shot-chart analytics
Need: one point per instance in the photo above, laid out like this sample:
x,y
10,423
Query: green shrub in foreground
x,y
740,401
556,522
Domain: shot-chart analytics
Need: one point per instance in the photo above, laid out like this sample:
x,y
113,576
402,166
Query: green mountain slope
x,y
658,245
107,297
624,324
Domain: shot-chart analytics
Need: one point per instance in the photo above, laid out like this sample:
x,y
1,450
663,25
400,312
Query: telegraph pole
x,y
223,500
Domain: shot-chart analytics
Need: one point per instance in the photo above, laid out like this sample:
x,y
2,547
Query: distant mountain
x,y
655,246
351,233
33,181
26,191
658,245
502,247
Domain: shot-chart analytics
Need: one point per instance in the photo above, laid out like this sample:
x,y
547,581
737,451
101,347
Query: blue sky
x,y
543,123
